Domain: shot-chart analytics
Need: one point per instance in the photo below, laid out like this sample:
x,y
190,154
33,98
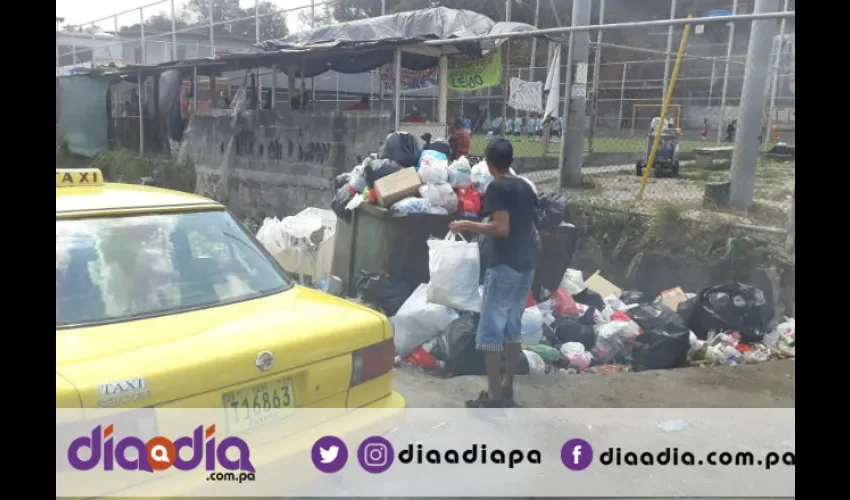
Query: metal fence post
x,y
729,45
142,38
257,19
711,83
669,48
562,148
93,45
622,96
751,115
173,33
774,83
397,89
115,31
212,31
597,60
141,116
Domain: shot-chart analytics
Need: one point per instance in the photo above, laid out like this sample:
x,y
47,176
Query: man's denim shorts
x,y
505,294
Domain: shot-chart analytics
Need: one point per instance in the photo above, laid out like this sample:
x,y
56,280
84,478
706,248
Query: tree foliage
x,y
272,20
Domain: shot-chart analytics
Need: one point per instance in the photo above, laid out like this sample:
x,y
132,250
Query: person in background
x,y
467,124
704,129
557,125
460,139
730,131
363,105
509,127
415,116
517,126
497,125
510,208
532,126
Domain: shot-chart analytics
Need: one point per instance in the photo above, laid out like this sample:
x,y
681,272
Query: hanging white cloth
x,y
553,86
526,96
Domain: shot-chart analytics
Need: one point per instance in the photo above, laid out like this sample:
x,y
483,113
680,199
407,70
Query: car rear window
x,y
120,268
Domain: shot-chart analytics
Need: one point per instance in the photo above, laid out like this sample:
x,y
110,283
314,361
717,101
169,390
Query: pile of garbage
x,y
584,326
408,178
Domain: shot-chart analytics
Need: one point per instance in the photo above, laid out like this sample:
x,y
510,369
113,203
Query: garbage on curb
x,y
584,325
626,333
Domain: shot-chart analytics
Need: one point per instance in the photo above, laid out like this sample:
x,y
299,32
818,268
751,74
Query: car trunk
x,y
221,356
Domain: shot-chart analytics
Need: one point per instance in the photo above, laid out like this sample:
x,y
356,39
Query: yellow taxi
x,y
164,300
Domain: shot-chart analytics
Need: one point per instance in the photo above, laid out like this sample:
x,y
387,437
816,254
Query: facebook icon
x,y
576,454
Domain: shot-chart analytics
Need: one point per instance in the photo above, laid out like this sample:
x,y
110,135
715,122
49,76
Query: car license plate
x,y
259,404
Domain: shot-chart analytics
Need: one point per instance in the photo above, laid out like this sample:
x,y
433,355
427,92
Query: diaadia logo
x,y
159,453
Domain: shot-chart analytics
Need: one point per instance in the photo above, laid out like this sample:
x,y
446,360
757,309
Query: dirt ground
x,y
767,385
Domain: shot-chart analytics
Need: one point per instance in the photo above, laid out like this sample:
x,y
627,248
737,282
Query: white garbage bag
x,y
481,177
532,326
418,321
536,364
440,195
460,173
433,167
455,269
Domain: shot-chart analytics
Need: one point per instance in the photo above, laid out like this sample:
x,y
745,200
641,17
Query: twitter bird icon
x,y
329,454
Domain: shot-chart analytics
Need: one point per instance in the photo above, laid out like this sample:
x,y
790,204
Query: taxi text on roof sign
x,y
67,177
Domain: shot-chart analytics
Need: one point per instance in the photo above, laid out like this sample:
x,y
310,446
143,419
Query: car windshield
x,y
120,268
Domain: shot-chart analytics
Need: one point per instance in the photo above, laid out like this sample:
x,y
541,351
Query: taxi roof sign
x,y
69,177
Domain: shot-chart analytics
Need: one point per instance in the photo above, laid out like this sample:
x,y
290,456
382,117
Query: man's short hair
x,y
458,123
500,154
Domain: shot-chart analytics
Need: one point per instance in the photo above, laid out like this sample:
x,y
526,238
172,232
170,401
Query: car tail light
x,y
372,362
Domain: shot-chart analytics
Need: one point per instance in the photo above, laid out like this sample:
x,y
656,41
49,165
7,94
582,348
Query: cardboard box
x,y
397,186
673,297
602,286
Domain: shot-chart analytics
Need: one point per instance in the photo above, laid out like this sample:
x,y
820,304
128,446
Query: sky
x,y
85,11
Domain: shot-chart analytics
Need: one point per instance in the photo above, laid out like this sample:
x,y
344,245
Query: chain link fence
x,y
622,82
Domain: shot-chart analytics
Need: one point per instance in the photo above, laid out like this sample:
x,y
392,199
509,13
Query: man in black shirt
x,y
512,255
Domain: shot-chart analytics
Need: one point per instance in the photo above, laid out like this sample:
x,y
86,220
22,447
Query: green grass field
x,y
527,148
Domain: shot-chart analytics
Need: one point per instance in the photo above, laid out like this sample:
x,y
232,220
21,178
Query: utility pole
x,y
597,61
506,79
212,33
669,49
729,44
173,33
534,41
575,98
751,114
775,77
383,7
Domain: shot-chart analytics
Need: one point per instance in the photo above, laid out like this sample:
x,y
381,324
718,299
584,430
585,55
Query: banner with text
x,y
467,74
411,80
264,451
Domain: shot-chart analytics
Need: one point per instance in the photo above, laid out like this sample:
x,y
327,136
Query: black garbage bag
x,y
341,180
460,333
651,317
661,350
590,298
341,199
376,169
687,308
440,146
632,297
400,147
552,210
732,306
383,290
580,329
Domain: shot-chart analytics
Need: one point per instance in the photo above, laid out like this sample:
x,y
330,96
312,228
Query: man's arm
x,y
499,225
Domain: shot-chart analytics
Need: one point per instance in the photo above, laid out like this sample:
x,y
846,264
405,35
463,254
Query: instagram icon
x,y
375,454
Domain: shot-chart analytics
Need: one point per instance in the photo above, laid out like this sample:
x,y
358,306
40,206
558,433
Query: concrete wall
x,y
279,161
